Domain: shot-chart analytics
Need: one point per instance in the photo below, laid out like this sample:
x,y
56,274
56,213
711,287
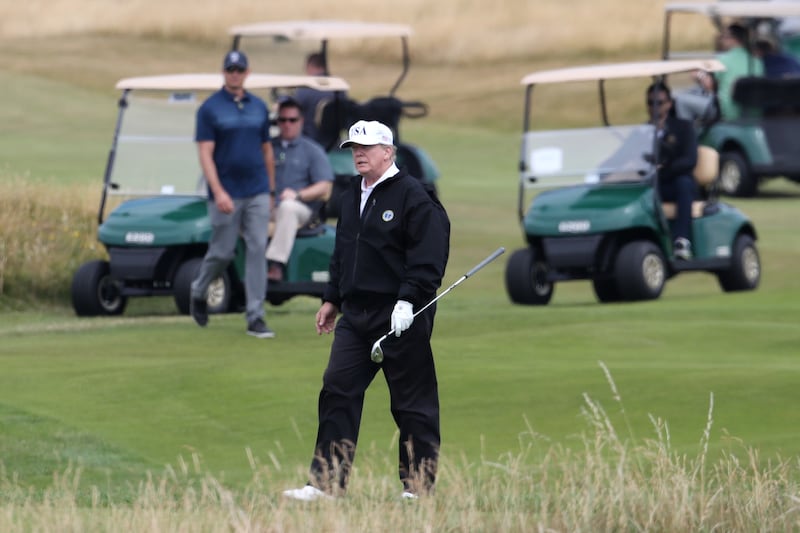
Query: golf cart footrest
x,y
711,264
307,288
141,291
571,252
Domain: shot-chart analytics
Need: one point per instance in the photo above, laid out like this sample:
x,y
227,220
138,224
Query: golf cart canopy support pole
x,y
526,121
406,64
112,153
601,89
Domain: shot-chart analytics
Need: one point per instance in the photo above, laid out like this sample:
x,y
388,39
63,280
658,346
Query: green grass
x,y
61,133
120,397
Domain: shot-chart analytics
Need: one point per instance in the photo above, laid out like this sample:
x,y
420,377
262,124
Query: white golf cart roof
x,y
323,31
320,29
621,70
756,9
210,82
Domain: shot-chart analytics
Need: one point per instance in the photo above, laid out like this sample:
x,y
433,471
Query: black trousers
x,y
681,190
409,371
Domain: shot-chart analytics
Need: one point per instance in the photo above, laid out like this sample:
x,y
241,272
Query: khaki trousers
x,y
289,215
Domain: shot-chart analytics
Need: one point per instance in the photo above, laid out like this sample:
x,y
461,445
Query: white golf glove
x,y
402,316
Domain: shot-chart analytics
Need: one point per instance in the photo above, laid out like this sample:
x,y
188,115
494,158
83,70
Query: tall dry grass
x,y
45,235
608,482
449,31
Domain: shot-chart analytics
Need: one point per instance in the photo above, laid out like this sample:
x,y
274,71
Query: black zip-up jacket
x,y
678,155
397,249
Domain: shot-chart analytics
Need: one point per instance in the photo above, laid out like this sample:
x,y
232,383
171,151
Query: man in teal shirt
x,y
738,62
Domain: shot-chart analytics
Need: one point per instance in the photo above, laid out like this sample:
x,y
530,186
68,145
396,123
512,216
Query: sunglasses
x,y
654,103
235,69
288,119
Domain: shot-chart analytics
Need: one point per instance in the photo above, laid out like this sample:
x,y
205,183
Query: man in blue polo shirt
x,y
236,156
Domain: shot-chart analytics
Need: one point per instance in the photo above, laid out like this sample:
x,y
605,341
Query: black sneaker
x,y
683,248
258,328
199,310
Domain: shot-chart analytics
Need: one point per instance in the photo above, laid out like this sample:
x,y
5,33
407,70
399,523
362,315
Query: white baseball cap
x,y
368,133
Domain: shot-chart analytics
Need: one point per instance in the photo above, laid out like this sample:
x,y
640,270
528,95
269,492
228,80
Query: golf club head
x,y
376,354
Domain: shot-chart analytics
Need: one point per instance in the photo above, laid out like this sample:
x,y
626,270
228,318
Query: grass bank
x,y
609,481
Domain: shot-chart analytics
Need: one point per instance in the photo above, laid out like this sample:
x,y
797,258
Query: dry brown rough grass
x,y
452,31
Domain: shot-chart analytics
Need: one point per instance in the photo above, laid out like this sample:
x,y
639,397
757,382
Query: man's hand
x,y
290,194
223,202
402,316
326,318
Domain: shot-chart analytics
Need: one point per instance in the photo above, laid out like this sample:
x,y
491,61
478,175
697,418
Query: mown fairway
x,y
124,396
141,390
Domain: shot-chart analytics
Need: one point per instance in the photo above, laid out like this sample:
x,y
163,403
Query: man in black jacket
x,y
677,157
392,246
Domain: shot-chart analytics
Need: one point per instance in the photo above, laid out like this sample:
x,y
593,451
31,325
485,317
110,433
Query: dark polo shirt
x,y
238,129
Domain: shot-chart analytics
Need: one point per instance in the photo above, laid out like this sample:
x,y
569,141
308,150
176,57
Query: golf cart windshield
x,y
285,44
594,155
613,154
156,153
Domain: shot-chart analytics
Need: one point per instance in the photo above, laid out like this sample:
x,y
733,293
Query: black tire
x,y
745,270
735,177
640,271
526,279
95,292
220,291
606,290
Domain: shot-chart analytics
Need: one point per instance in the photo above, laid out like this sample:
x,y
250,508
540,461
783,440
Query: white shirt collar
x,y
391,171
366,191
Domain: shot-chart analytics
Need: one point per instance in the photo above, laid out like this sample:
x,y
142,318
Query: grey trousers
x,y
250,219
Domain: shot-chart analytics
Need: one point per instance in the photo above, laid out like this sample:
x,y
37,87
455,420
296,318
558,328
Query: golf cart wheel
x,y
220,291
526,279
640,271
735,178
605,290
95,292
745,270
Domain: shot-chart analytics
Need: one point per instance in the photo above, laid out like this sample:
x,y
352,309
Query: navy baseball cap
x,y
235,58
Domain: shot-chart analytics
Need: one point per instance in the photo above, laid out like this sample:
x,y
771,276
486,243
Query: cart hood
x,y
590,209
157,221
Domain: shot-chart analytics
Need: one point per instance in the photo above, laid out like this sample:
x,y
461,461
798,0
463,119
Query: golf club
x,y
377,351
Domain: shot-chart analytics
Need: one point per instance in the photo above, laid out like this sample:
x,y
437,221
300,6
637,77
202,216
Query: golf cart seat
x,y
772,97
705,174
388,110
332,115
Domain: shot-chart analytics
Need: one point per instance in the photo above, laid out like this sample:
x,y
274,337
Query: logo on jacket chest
x,y
387,215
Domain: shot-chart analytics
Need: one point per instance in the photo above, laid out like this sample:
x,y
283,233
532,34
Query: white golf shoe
x,y
308,493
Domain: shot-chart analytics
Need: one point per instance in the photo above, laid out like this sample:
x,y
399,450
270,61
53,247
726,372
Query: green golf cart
x,y
595,213
761,144
153,219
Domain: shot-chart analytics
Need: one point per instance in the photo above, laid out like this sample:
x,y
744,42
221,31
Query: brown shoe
x,y
275,272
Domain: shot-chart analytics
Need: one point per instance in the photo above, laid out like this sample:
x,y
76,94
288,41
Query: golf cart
x,y
157,230
761,144
292,40
596,214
